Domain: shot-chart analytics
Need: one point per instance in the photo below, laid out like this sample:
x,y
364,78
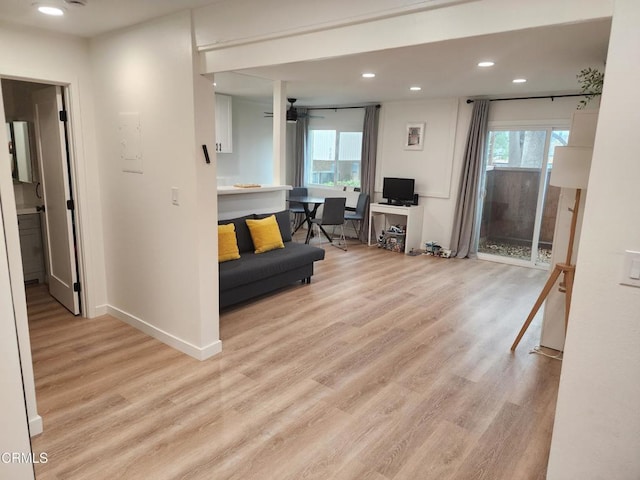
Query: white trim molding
x,y
199,353
35,425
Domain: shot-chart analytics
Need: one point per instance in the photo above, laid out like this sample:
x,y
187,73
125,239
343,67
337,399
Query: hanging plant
x,y
590,80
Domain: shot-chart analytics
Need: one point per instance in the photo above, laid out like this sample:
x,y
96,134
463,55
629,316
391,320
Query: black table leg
x,y
310,215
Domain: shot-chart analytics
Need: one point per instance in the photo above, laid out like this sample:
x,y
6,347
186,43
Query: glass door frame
x,y
545,125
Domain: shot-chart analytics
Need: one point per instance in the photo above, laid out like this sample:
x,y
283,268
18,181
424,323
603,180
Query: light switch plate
x,y
175,199
631,269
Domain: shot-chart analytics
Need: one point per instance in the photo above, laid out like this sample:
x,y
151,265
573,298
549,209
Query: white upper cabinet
x,y
224,142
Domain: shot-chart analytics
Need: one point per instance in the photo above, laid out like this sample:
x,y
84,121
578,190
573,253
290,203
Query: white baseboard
x,y
199,353
100,310
35,425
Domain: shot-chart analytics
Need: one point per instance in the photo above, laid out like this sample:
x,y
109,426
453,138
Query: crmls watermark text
x,y
22,457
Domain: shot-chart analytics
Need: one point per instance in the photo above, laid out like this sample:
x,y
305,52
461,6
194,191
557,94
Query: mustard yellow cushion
x,y
227,243
265,234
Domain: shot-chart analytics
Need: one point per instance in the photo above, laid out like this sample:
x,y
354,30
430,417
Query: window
x,y
519,206
335,148
522,148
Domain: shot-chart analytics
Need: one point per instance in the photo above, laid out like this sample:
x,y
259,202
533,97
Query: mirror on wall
x,y
20,151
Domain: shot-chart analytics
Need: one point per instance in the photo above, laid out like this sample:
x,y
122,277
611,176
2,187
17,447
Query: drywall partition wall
x,y
596,434
269,21
15,433
29,54
206,210
252,157
246,47
154,250
33,55
535,112
433,166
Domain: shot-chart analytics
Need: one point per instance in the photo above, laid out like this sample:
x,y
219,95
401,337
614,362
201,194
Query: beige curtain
x,y
301,147
368,160
465,223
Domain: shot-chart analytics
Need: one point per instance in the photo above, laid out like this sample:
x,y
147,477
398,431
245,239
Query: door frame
x,y
550,125
77,182
73,185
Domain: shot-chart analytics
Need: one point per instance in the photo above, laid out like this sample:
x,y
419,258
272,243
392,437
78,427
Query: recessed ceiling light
x,y
368,75
48,10
486,64
415,89
519,80
215,84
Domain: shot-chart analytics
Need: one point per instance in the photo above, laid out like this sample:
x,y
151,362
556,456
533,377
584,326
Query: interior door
x,y
54,168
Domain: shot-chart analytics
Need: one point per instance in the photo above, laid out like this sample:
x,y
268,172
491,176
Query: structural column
x,y
279,131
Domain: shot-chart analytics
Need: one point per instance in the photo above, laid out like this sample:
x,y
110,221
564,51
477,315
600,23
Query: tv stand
x,y
396,203
411,216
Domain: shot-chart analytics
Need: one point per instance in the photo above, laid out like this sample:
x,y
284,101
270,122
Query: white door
x,y
54,170
15,430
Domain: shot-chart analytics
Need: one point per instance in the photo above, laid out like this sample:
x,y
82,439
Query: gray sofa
x,y
257,274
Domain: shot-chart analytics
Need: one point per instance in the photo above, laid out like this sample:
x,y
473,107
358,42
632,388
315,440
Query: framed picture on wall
x,y
414,136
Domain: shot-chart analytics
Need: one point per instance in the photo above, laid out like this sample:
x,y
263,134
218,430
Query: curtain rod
x,y
338,108
552,97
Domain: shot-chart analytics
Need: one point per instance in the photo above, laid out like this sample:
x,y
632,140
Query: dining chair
x,y
296,209
333,215
359,214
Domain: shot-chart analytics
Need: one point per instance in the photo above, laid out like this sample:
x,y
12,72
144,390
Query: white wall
x,y
15,433
32,55
252,158
597,428
431,167
161,268
64,60
438,167
268,18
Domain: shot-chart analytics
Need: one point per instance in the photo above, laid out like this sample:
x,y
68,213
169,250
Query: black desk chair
x,y
359,214
333,215
296,209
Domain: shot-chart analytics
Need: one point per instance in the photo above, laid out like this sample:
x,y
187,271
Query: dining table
x,y
310,205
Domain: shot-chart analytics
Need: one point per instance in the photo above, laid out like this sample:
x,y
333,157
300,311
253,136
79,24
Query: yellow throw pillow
x,y
265,234
227,243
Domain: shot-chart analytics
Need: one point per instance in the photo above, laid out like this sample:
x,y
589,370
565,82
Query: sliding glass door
x,y
518,208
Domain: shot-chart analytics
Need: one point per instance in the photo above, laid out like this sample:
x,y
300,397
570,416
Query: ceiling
x,y
549,58
97,17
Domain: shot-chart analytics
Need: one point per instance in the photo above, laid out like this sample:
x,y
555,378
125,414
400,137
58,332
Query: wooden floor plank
x,y
385,367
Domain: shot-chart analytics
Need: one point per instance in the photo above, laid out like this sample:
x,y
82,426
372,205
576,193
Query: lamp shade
x,y
571,166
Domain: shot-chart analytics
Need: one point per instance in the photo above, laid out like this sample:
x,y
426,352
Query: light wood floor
x,y
385,367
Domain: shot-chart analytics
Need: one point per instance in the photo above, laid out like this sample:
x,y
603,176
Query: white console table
x,y
413,216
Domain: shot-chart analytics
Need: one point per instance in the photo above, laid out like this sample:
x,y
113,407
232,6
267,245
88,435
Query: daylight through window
x,y
335,147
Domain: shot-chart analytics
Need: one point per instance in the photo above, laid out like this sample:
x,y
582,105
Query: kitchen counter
x,y
237,201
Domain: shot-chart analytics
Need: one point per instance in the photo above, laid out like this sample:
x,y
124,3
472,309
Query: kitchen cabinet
x,y
224,143
31,247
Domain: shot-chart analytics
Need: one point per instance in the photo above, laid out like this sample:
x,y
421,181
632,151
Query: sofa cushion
x,y
227,243
284,222
242,232
265,234
251,267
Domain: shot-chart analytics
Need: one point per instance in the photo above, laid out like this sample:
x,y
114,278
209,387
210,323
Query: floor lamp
x,y
571,167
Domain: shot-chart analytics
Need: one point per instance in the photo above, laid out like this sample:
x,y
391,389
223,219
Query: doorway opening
x,y
518,208
39,145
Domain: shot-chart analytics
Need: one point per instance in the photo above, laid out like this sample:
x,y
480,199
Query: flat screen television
x,y
398,191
